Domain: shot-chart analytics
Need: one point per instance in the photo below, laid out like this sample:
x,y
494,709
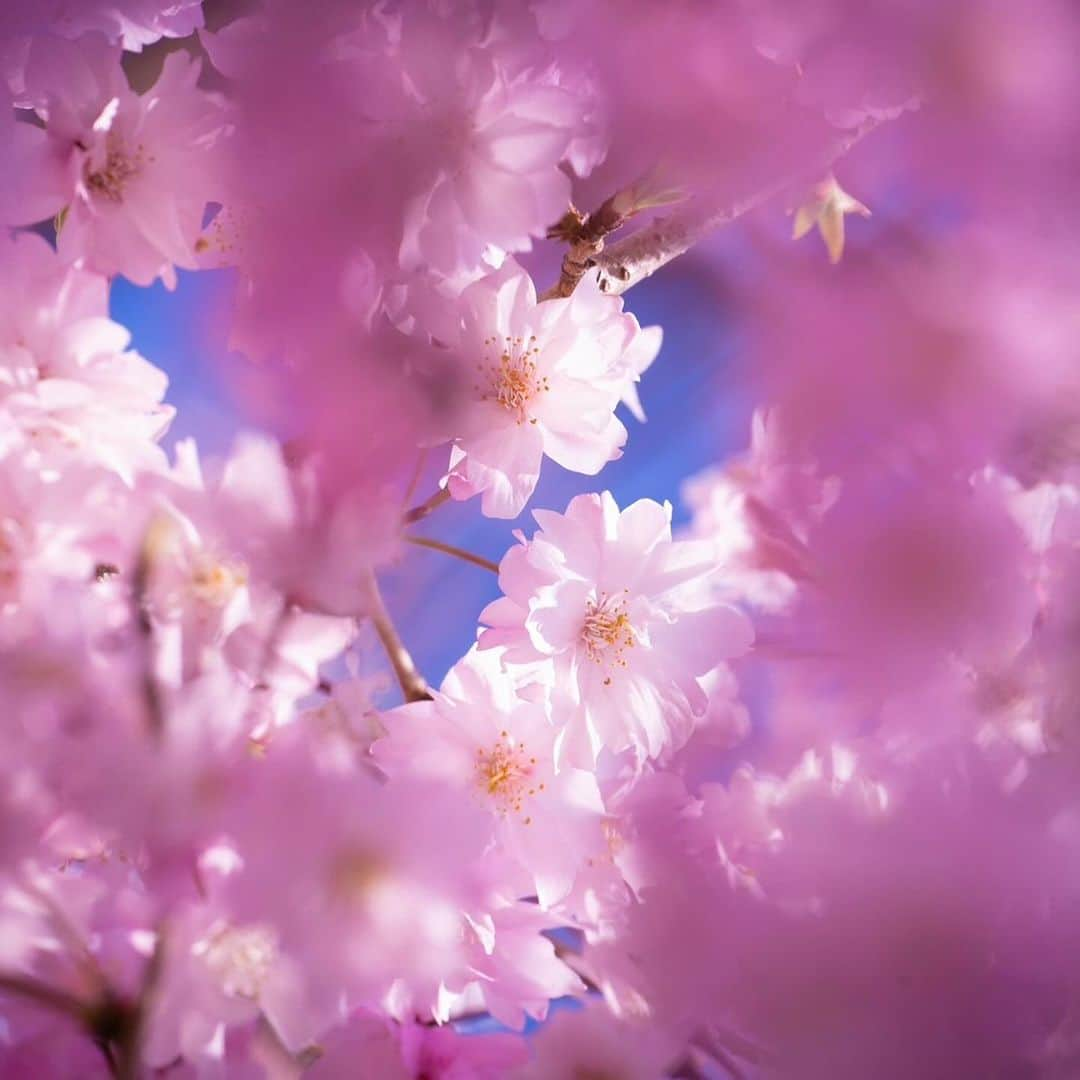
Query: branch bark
x,y
451,549
585,234
640,255
26,986
413,685
418,513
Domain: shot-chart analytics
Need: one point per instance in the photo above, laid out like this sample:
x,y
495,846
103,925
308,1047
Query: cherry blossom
x,y
413,1051
497,129
133,23
359,901
69,382
218,976
546,380
135,171
241,832
481,734
594,1043
614,611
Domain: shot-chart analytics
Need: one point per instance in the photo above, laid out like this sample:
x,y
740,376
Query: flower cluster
x,y
784,788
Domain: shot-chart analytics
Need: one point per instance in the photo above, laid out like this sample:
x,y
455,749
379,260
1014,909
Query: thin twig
x,y
636,257
585,233
418,471
155,539
426,507
131,1045
726,1061
66,929
724,1044
412,683
450,549
26,986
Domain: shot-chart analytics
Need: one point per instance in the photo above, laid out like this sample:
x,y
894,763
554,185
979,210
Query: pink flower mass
x,y
776,782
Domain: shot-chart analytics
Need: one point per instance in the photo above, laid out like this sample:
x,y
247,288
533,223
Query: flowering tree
x,y
791,792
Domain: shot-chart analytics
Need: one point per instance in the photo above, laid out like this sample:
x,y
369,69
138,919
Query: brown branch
x,y
412,683
25,986
81,955
419,512
154,541
414,479
640,255
456,552
585,233
133,1034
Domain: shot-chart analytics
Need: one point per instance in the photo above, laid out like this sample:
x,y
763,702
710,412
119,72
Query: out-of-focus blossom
x,y
380,897
132,23
134,172
414,1052
757,512
887,905
852,852
68,381
592,1042
910,571
495,130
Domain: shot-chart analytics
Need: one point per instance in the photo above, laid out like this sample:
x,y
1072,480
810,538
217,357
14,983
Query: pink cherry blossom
x,y
219,976
133,23
479,733
758,511
514,969
593,1042
497,128
225,849
414,1052
393,871
613,611
67,378
546,379
135,171
210,605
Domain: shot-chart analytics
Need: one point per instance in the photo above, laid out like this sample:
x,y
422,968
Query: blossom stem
x,y
412,683
80,951
640,255
417,472
417,513
585,234
26,987
154,541
450,549
130,1045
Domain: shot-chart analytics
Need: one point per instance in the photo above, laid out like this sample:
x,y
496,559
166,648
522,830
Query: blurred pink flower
x,y
412,1051
592,1042
67,379
135,172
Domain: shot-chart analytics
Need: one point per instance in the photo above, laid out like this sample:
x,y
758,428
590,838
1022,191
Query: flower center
x,y
356,876
606,632
109,181
216,582
240,958
505,773
512,381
